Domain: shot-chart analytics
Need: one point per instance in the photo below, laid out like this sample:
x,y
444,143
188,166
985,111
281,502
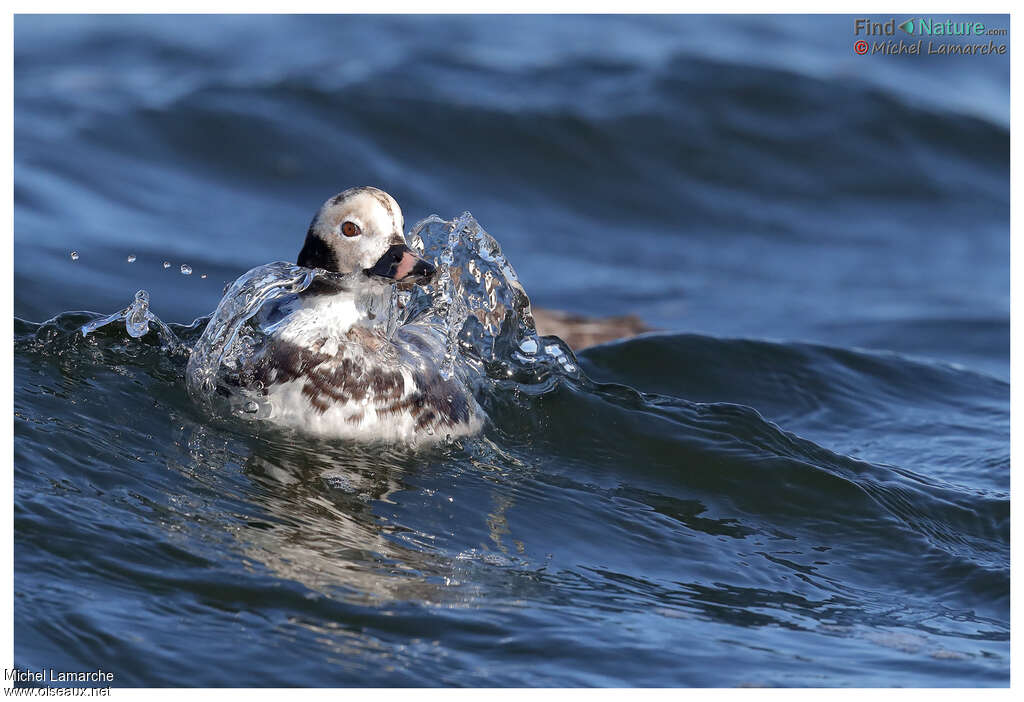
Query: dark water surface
x,y
804,480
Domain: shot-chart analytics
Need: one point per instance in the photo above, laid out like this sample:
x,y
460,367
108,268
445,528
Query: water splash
x,y
231,338
136,317
478,301
475,315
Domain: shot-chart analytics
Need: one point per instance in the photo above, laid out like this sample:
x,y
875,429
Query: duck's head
x,y
361,229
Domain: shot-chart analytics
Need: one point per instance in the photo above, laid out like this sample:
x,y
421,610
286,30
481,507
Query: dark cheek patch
x,y
316,254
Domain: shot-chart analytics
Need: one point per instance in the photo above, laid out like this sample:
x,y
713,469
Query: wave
x,y
689,118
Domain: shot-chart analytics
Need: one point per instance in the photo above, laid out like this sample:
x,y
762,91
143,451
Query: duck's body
x,y
329,367
328,373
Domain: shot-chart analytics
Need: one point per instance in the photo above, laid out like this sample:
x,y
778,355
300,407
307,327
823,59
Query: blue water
x,y
801,479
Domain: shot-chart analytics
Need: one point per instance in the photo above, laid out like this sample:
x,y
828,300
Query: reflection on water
x,y
319,521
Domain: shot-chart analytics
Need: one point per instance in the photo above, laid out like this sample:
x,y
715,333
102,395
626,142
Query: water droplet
x,y
74,255
203,276
167,264
131,258
251,407
186,269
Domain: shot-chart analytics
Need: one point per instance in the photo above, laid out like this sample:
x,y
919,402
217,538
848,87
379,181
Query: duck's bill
x,y
400,264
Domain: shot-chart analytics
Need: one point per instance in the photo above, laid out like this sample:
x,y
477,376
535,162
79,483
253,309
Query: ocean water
x,y
801,479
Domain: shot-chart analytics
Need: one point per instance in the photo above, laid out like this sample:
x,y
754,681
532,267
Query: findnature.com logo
x,y
922,28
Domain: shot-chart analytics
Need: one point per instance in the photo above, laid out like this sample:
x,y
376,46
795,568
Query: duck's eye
x,y
350,229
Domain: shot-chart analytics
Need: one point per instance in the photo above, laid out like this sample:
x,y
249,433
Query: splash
x,y
233,337
136,317
479,302
475,309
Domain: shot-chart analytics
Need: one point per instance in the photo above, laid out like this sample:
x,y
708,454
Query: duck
x,y
330,367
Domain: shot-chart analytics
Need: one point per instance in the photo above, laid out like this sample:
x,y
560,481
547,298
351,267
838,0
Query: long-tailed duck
x,y
329,367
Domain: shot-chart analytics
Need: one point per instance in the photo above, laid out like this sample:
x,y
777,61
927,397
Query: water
x,y
802,480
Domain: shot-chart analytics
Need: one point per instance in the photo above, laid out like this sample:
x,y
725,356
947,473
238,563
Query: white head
x,y
360,229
